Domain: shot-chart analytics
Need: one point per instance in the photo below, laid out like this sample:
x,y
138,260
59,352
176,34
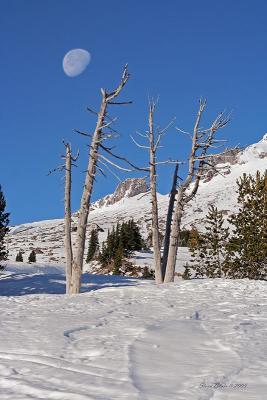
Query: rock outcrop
x,y
129,188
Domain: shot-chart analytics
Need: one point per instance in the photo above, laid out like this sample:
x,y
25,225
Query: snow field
x,y
130,339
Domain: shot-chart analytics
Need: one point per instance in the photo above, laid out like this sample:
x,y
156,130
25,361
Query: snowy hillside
x,y
127,339
131,201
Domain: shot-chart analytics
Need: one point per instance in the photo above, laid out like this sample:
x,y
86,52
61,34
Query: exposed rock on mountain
x,y
129,188
222,163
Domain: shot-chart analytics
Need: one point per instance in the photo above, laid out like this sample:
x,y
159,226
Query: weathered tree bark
x,y
202,141
169,221
77,263
154,201
67,220
174,238
97,137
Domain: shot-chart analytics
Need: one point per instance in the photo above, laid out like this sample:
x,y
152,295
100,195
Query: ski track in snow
x,y
137,342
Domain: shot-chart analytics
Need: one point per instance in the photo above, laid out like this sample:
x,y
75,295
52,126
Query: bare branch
x,y
59,168
162,131
195,138
122,103
207,156
76,157
114,165
189,197
106,136
139,145
82,133
101,171
108,123
216,169
124,79
184,132
142,135
122,158
168,162
110,170
92,111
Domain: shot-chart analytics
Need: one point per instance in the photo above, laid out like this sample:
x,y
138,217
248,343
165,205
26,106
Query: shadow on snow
x,y
23,284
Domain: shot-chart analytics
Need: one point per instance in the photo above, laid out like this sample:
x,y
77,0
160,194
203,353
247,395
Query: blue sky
x,y
179,50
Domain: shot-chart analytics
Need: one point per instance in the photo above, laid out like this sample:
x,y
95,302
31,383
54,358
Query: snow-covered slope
x,y
127,339
131,201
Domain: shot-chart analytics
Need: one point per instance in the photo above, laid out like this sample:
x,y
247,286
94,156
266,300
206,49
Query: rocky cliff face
x,y
129,188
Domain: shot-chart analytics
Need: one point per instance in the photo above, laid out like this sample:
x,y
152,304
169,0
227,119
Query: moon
x,y
75,62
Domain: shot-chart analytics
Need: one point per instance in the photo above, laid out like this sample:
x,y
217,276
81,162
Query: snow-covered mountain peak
x,y
254,151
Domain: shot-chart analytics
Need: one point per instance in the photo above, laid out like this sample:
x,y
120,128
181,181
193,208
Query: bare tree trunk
x,y
169,221
77,263
68,243
174,238
154,201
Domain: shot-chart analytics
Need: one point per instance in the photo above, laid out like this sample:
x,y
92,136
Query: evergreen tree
x,y
4,220
196,244
32,257
103,254
118,258
108,248
19,257
125,243
111,244
117,236
120,243
247,249
209,249
93,246
136,237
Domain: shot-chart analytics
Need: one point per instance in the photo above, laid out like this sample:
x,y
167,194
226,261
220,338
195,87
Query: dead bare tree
x,y
154,136
202,141
67,167
67,218
104,123
153,191
69,159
